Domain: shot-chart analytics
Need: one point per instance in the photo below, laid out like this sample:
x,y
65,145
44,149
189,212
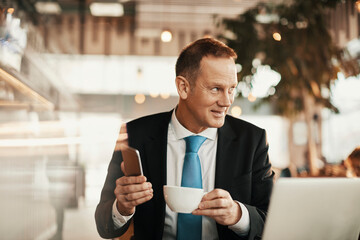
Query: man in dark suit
x,y
235,167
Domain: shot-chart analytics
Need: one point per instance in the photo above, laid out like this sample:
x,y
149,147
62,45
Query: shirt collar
x,y
181,132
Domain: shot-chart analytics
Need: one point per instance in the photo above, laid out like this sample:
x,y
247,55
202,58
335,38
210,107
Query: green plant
x,y
294,40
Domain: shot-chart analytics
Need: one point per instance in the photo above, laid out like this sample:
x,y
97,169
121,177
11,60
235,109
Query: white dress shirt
x,y
175,159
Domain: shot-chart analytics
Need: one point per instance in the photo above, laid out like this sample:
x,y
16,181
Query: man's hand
x,y
130,192
219,205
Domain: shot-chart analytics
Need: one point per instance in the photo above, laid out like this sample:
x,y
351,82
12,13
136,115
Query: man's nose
x,y
226,99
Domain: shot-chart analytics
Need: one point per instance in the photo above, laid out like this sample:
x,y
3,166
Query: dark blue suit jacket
x,y
242,168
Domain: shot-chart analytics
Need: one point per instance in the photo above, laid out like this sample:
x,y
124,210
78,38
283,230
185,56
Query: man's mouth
x,y
218,113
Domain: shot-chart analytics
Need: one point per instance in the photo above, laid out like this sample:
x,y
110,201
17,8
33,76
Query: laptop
x,y
314,209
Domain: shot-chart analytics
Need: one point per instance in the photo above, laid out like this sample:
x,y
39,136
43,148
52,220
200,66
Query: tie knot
x,y
193,143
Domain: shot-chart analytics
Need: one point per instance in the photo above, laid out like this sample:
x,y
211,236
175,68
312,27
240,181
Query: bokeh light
x,y
277,36
10,10
166,36
154,94
139,98
251,98
236,111
164,95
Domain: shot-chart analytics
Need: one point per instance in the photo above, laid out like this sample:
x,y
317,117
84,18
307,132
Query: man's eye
x,y
215,89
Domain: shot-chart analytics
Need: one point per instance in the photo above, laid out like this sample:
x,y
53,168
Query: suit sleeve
x,y
103,213
259,190
262,183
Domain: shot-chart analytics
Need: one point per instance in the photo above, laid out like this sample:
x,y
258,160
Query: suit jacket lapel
x,y
227,145
155,151
155,160
224,160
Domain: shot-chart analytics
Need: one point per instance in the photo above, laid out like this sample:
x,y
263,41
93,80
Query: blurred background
x,y
72,71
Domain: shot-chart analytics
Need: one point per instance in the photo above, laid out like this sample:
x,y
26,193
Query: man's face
x,y
210,97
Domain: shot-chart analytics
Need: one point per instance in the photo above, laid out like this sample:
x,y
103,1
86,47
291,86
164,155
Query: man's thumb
x,y
123,168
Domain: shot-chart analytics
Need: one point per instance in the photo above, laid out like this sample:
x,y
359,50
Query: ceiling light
x,y
106,9
48,7
166,36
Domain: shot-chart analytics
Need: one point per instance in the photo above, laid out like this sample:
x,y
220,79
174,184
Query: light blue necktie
x,y
189,226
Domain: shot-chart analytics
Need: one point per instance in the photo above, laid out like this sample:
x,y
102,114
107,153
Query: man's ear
x,y
183,87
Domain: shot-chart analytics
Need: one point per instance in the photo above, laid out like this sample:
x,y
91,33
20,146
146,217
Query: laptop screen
x,y
314,208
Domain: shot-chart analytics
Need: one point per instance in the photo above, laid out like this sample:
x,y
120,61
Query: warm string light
x,y
139,98
251,97
277,36
236,111
154,94
164,95
10,10
357,5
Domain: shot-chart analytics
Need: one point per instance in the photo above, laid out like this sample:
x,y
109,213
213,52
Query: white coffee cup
x,y
182,199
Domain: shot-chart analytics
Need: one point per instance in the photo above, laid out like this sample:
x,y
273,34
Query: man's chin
x,y
218,123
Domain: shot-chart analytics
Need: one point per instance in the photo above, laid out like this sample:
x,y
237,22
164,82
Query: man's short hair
x,y
188,62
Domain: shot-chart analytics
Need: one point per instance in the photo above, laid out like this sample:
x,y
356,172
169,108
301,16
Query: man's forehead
x,y
211,58
220,81
213,62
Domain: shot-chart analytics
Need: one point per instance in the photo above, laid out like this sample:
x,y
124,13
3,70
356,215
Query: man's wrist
x,y
242,226
123,212
119,219
238,213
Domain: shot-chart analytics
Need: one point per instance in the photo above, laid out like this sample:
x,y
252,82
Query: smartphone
x,y
132,162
